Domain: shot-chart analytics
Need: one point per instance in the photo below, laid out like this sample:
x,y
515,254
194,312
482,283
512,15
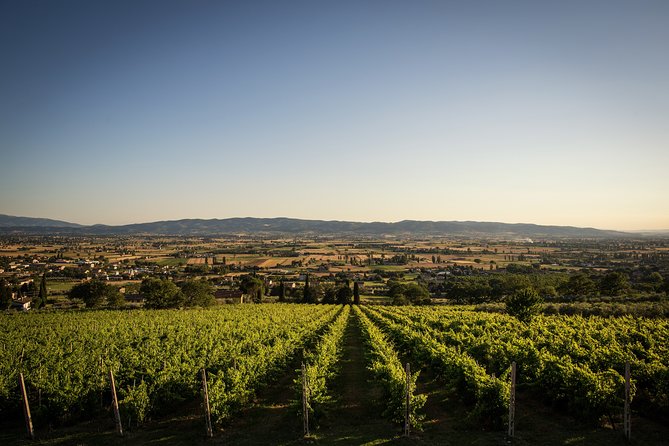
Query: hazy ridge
x,y
250,225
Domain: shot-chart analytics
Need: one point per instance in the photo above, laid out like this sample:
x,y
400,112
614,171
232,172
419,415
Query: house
x,y
228,294
22,304
134,298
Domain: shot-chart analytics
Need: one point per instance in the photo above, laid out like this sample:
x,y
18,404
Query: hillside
x,y
249,225
9,221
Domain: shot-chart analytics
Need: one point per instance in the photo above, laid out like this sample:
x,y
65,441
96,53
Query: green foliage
x,y
524,304
308,297
134,402
356,293
197,293
654,281
614,284
42,296
404,293
251,285
96,293
156,356
579,284
509,284
230,389
282,292
161,293
471,381
5,295
416,293
344,295
571,361
329,294
389,372
479,289
320,365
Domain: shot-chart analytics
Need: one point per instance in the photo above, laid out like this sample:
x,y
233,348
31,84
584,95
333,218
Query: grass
x,y
58,287
171,261
389,267
371,298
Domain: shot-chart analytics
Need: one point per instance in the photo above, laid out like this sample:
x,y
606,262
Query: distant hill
x,y
8,221
251,225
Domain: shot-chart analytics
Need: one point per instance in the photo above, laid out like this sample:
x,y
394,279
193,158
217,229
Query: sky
x,y
552,112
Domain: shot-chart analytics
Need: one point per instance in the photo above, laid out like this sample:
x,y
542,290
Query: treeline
x,y
157,293
613,285
330,292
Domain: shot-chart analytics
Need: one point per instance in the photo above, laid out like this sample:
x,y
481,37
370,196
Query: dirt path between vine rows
x,y
353,417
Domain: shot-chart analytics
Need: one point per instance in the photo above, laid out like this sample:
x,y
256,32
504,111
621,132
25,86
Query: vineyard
x,y
571,365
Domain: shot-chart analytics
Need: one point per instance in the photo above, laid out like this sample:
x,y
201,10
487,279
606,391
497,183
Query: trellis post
x,y
407,403
627,415
26,408
305,401
205,397
117,414
512,401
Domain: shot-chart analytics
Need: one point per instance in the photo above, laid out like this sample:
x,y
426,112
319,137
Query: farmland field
x,y
570,375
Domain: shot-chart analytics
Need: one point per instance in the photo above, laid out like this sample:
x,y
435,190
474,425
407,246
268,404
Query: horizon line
x,y
640,230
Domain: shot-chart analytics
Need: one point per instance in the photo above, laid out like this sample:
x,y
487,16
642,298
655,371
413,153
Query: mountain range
x,y
249,225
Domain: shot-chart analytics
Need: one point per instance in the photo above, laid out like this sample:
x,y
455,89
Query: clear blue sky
x,y
550,112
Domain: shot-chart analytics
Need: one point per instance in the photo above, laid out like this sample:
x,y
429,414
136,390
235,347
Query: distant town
x,y
439,269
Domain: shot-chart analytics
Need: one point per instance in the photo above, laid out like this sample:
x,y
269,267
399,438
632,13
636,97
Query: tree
x,y
417,293
409,293
197,293
329,294
30,290
508,284
5,295
396,293
251,285
614,284
469,289
282,292
115,299
308,296
42,291
524,304
344,295
161,293
655,281
95,293
579,284
356,293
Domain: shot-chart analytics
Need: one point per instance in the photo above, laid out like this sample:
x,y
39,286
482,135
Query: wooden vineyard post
x,y
117,414
512,401
627,415
305,401
26,408
205,397
407,396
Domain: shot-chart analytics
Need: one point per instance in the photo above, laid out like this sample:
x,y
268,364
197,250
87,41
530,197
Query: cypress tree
x,y
42,291
356,293
306,295
5,295
282,292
